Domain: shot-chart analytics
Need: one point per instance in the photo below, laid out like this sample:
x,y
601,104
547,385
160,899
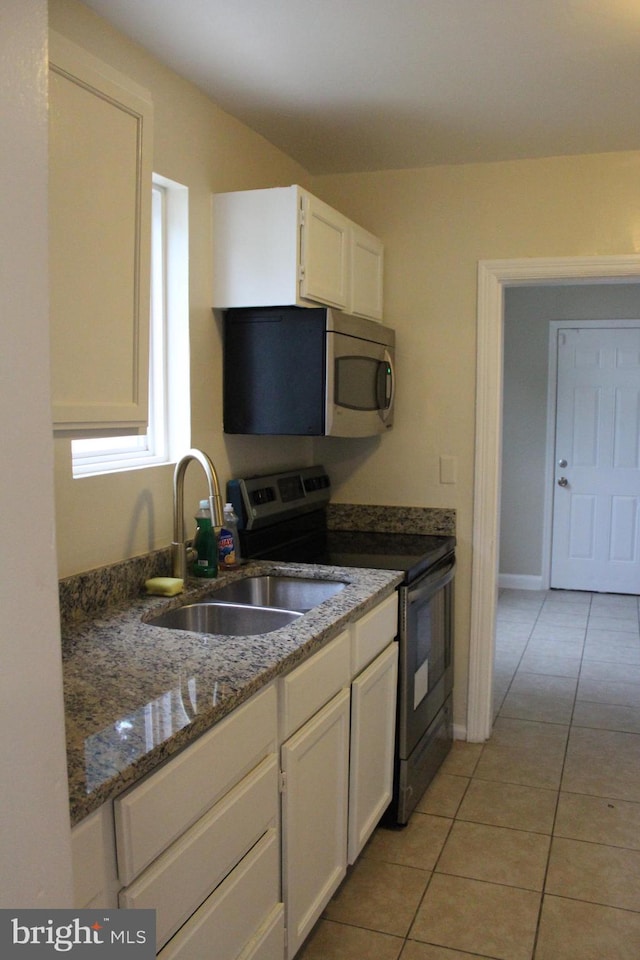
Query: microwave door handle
x,y
386,384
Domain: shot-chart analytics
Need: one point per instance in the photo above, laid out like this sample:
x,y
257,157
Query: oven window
x,y
432,653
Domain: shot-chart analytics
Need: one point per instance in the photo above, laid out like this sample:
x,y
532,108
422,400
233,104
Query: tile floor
x,y
526,847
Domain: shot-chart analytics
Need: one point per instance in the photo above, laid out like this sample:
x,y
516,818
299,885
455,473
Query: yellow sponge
x,y
164,586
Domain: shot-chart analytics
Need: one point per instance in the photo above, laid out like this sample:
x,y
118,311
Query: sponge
x,y
164,586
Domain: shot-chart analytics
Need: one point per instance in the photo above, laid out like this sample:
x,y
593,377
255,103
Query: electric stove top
x,y
283,517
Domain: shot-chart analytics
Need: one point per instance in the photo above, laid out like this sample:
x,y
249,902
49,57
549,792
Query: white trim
x,y
520,581
493,277
169,427
459,731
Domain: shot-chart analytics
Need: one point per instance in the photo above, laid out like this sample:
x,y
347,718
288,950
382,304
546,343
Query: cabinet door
x,y
367,260
324,253
315,764
93,849
100,174
373,715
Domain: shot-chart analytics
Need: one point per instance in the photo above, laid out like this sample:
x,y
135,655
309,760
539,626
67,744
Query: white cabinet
x,y
100,173
159,809
93,852
374,668
367,259
201,835
337,721
243,901
324,269
373,714
314,722
283,246
315,766
248,832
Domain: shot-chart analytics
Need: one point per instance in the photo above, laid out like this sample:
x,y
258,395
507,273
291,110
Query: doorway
x,y
493,278
533,315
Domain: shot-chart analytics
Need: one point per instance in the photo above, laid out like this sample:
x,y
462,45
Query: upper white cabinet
x,y
100,178
324,268
283,246
367,258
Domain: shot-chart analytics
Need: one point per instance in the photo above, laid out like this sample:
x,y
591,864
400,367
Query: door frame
x,y
493,277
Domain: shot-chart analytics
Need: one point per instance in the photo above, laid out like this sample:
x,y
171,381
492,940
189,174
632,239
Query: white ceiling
x,y
353,85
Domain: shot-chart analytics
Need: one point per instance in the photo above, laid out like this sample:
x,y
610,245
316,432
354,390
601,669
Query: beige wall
x,y
436,224
104,519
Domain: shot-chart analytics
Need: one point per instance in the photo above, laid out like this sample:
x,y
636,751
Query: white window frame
x,y
169,428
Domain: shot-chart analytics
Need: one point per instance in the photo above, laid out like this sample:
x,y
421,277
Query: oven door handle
x,y
431,582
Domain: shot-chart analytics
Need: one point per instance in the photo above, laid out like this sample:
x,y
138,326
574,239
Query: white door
x,y
596,505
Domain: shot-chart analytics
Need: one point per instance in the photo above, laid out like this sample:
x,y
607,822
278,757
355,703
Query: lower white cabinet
x,y
247,900
315,767
373,716
181,879
268,943
240,841
93,851
198,841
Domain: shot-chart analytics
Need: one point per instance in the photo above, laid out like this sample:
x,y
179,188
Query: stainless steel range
x,y
284,517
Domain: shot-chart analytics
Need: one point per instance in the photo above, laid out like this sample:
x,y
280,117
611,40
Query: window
x,y
169,410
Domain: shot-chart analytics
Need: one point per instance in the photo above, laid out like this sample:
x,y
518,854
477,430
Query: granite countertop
x,y
135,694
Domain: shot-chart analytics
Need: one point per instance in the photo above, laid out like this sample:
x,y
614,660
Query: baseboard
x,y
514,581
459,731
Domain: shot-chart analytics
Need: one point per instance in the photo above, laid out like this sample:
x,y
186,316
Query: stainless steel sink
x,y
230,619
287,593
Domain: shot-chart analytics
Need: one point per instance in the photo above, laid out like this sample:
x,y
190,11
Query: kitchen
x,y
437,222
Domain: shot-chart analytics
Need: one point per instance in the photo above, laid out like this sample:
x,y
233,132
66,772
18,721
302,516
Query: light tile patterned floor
x,y
526,847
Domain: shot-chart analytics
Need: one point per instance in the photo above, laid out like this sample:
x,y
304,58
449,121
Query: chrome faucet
x,y
179,545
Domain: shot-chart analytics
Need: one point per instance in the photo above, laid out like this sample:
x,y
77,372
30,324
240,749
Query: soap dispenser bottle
x,y
205,544
228,543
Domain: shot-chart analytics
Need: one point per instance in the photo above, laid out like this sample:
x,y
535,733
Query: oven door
x,y
360,386
426,652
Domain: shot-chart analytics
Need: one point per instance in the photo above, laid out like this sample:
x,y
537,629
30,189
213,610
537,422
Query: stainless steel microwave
x,y
306,371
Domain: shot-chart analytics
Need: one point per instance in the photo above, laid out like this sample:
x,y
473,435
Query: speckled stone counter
x,y
390,519
135,693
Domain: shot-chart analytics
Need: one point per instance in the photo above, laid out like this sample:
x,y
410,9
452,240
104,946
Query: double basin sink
x,y
250,606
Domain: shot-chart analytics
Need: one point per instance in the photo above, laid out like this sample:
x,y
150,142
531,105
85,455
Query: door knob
x,y
563,482
562,463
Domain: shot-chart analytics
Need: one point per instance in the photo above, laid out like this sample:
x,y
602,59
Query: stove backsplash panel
x,y
372,517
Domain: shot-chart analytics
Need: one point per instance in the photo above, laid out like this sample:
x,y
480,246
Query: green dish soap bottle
x,y
205,544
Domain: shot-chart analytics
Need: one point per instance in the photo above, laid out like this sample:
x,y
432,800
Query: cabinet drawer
x,y
153,813
269,942
307,688
373,632
184,875
229,919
